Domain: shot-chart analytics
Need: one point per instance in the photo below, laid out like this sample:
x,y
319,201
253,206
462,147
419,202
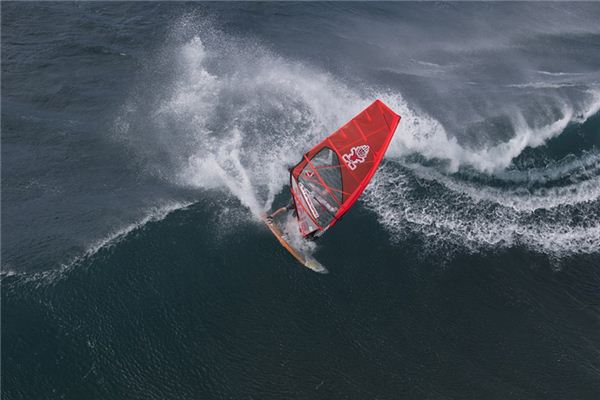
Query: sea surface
x,y
142,140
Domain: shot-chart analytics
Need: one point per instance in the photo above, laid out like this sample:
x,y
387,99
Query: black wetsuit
x,y
291,206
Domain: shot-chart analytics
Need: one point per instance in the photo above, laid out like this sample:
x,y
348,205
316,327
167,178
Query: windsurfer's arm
x,y
290,206
314,235
277,212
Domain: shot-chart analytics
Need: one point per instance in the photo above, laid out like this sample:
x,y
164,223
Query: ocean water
x,y
140,142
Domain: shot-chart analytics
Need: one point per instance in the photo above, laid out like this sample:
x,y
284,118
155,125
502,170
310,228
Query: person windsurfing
x,y
331,176
291,206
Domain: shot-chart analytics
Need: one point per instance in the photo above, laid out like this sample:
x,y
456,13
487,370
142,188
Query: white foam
x,y
558,73
520,199
274,110
151,214
543,85
470,223
290,228
572,168
235,116
53,276
592,107
238,115
422,134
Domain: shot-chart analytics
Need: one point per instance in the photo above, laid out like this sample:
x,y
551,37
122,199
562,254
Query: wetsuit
x,y
291,205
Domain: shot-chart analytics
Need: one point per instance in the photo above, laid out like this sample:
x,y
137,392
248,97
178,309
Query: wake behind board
x,y
303,259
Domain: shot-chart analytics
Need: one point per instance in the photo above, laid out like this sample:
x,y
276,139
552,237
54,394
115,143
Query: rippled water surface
x,y
140,142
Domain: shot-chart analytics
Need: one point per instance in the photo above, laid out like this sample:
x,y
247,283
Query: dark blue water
x,y
140,141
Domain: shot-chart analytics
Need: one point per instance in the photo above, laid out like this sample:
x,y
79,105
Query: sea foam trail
x,y
450,214
151,214
234,116
520,199
571,168
241,129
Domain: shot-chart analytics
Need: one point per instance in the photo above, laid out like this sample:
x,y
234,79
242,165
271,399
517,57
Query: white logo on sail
x,y
357,155
309,202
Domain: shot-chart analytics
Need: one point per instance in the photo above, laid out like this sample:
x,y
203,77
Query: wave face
x,y
141,140
483,169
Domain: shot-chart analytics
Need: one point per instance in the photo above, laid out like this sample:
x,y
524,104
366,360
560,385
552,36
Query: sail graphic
x,y
334,173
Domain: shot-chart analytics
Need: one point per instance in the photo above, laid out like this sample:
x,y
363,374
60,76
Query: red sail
x,y
334,173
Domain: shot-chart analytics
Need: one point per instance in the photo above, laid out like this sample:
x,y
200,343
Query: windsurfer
x,y
291,206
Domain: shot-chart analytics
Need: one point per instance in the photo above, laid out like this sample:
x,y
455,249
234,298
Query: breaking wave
x,y
225,113
152,214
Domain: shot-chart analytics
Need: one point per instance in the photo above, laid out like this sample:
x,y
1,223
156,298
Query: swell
x,y
152,214
234,115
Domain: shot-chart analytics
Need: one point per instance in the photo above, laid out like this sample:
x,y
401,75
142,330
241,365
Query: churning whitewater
x,y
231,111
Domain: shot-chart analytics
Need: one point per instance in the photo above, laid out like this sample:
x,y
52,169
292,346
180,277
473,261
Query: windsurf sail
x,y
334,173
